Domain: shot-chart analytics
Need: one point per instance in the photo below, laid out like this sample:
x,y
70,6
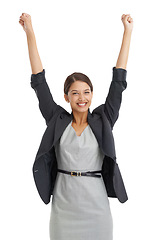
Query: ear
x,y
66,97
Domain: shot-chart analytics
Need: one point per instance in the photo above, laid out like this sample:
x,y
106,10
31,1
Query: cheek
x,y
90,98
73,99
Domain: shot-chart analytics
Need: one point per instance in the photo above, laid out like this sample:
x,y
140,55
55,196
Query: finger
x,y
130,19
24,15
21,24
20,21
23,18
127,18
123,16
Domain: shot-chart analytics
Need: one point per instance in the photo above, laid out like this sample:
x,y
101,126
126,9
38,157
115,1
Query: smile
x,y
81,104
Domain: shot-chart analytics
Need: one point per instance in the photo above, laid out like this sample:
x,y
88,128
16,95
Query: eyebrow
x,y
84,90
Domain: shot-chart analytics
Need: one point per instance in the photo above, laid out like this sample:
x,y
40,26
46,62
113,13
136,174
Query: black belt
x,y
78,174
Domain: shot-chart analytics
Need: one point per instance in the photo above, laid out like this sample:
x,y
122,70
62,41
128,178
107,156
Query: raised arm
x,y
124,51
35,61
119,84
38,81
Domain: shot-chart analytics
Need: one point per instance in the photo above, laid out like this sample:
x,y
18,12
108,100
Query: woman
x,y
76,161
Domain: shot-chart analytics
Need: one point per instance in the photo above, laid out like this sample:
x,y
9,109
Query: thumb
x,y
126,17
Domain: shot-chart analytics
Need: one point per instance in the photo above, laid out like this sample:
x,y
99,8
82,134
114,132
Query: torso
x,y
79,128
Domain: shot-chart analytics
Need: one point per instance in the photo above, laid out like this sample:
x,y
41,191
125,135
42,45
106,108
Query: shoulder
x,y
96,113
99,114
98,110
60,113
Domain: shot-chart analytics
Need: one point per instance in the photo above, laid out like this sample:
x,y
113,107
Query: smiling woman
x,y
68,161
79,96
78,91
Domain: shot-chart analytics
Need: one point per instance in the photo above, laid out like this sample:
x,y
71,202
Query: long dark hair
x,y
76,76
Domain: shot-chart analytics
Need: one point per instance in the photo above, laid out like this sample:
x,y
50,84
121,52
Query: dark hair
x,y
76,76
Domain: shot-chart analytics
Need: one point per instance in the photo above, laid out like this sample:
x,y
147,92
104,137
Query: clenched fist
x,y
26,23
127,22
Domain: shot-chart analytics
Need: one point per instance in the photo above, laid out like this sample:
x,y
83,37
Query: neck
x,y
80,118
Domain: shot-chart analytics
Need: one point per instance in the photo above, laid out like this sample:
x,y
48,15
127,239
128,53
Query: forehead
x,y
79,85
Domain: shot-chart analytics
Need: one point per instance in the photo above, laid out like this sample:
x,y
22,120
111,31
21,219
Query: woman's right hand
x,y
127,22
26,23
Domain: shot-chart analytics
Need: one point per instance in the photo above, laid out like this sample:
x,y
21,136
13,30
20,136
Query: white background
x,y
82,36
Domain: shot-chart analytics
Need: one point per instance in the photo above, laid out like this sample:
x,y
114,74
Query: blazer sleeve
x,y
46,103
114,97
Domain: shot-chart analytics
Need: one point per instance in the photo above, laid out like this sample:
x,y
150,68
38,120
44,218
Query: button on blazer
x,y
101,121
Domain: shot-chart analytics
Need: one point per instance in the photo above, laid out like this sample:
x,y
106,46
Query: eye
x,y
87,92
75,93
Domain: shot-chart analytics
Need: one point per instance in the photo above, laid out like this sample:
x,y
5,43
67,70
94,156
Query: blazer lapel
x,y
62,122
96,125
65,118
102,131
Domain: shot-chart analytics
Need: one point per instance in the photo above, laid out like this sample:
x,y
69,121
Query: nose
x,y
81,97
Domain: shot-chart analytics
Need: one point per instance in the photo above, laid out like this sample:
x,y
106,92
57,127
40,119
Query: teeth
x,y
81,104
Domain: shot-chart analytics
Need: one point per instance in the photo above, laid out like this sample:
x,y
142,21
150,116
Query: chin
x,y
81,110
86,110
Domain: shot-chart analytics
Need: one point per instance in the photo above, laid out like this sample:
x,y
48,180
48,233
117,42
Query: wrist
x,y
128,31
30,36
30,32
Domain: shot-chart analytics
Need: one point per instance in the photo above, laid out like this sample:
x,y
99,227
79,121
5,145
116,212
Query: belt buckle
x,y
75,172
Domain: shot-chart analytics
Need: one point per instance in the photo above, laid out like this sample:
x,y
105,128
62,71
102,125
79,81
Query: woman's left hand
x,y
127,22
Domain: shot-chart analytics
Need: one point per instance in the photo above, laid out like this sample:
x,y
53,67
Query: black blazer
x,y
101,121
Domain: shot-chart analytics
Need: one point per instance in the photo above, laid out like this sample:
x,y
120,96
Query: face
x,y
79,96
